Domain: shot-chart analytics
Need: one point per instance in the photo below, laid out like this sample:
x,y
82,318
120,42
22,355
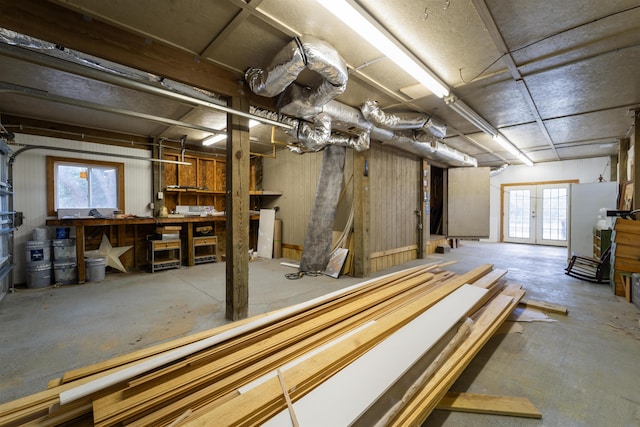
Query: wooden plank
x,y
393,251
486,323
490,279
260,403
107,409
626,264
486,404
628,251
627,226
338,332
188,346
545,306
363,381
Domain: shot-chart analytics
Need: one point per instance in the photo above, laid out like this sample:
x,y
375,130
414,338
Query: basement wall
x,y
30,187
394,178
296,177
584,170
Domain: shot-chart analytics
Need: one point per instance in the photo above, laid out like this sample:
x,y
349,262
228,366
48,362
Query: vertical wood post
x,y
622,161
361,263
237,212
423,208
636,160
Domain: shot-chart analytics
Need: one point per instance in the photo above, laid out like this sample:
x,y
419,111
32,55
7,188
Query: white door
x,y
537,214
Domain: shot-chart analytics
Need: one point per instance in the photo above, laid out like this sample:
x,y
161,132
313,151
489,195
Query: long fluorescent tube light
x,y
358,20
466,112
210,140
507,145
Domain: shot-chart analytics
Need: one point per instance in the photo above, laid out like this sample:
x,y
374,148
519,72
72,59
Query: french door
x,y
536,214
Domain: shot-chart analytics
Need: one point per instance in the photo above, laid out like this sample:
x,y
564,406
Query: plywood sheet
x,y
468,202
265,233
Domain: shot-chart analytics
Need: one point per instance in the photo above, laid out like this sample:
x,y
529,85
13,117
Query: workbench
x,y
127,232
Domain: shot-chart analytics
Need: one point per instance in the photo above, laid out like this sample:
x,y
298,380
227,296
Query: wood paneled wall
x,y
395,189
394,196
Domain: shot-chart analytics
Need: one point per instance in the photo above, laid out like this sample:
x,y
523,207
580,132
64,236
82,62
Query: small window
x,y
84,184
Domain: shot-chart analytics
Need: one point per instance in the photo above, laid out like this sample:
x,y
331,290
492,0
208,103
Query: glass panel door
x,y
552,226
519,214
536,214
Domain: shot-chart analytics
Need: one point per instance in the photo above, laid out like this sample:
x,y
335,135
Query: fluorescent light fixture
x,y
471,116
210,140
356,18
474,118
504,143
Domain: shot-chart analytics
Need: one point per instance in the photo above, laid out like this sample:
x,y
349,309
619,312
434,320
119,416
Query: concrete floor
x,y
583,370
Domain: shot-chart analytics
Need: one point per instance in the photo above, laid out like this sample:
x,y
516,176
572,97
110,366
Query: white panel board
x,y
586,202
344,397
468,203
265,233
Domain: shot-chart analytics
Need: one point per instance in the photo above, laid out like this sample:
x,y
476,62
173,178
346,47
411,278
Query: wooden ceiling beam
x,y
64,27
31,126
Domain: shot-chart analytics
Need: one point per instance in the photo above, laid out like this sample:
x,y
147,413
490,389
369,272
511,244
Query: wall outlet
x,y
160,195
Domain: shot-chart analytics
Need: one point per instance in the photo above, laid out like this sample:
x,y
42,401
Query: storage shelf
x,y
205,249
169,252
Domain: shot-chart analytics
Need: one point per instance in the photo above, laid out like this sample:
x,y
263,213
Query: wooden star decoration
x,y
110,253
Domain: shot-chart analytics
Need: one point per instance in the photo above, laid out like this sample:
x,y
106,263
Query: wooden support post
x,y
423,209
635,171
361,213
237,209
190,250
156,177
622,160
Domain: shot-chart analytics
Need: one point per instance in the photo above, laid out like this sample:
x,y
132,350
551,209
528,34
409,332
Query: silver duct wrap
x,y
435,127
373,113
301,53
320,114
282,71
314,137
361,143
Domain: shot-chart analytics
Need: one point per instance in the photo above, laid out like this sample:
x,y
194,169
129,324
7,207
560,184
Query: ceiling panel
x,y
447,35
186,24
607,124
238,49
602,82
523,22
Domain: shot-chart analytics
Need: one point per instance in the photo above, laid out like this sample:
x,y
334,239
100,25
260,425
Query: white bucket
x,y
94,268
39,234
65,273
38,275
37,251
64,250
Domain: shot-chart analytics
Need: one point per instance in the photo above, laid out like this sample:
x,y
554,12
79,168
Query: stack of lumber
x,y
625,253
275,366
